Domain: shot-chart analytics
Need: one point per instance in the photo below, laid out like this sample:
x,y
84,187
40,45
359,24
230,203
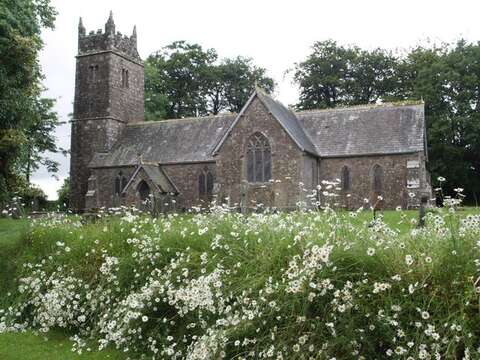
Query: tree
x,y
462,93
322,77
40,139
446,77
185,80
174,79
21,22
372,77
334,75
238,77
64,194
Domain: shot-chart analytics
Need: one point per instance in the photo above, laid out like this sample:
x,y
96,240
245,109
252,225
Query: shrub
x,y
298,285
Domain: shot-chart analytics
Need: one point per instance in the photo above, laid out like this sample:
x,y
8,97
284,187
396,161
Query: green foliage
x,y
446,77
183,80
33,197
334,75
237,78
64,195
40,140
26,120
327,284
176,73
11,245
53,345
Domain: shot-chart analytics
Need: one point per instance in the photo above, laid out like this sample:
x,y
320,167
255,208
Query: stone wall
x,y
185,178
127,103
157,203
103,104
92,87
88,137
283,191
107,40
105,185
394,185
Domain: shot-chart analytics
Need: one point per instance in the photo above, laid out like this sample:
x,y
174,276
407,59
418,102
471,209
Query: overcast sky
x,y
276,34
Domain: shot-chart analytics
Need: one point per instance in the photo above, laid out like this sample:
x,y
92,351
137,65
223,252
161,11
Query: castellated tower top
x,y
107,40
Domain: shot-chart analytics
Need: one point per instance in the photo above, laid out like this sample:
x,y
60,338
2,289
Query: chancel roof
x,y
362,130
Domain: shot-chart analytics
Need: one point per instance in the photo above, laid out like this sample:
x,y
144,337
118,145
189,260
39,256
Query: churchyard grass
x,y
54,345
11,233
29,345
210,285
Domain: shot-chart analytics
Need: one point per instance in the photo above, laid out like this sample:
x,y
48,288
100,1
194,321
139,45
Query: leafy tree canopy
x,y
184,80
334,75
446,77
26,119
64,195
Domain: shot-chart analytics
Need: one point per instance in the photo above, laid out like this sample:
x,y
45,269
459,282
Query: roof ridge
x,y
156,122
363,106
305,144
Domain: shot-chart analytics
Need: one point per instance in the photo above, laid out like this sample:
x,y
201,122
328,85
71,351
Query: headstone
x,y
243,198
422,210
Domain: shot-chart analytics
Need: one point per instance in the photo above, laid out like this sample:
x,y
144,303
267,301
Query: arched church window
x,y
205,184
143,190
120,183
345,178
209,184
124,182
377,178
259,159
201,184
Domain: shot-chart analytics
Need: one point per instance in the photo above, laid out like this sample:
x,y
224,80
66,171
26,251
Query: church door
x,y
143,191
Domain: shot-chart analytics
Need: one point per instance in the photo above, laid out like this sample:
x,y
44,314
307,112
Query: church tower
x,y
109,93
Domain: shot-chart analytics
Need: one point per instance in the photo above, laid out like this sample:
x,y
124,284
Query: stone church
x,y
266,154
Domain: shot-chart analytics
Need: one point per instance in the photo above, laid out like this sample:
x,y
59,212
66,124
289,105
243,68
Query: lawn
x,y
225,285
30,345
10,245
55,345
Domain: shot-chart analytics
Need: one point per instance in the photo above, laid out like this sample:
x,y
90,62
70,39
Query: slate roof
x,y
366,130
158,177
290,123
284,116
361,130
169,141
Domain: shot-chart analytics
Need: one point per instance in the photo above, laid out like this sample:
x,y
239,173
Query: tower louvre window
x,y
125,80
93,72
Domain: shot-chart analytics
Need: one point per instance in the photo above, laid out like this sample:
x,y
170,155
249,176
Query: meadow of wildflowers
x,y
223,285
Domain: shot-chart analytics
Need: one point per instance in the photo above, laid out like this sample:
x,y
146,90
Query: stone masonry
x,y
174,165
104,101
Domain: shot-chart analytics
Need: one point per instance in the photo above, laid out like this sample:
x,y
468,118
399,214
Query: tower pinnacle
x,y
81,28
133,38
110,25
